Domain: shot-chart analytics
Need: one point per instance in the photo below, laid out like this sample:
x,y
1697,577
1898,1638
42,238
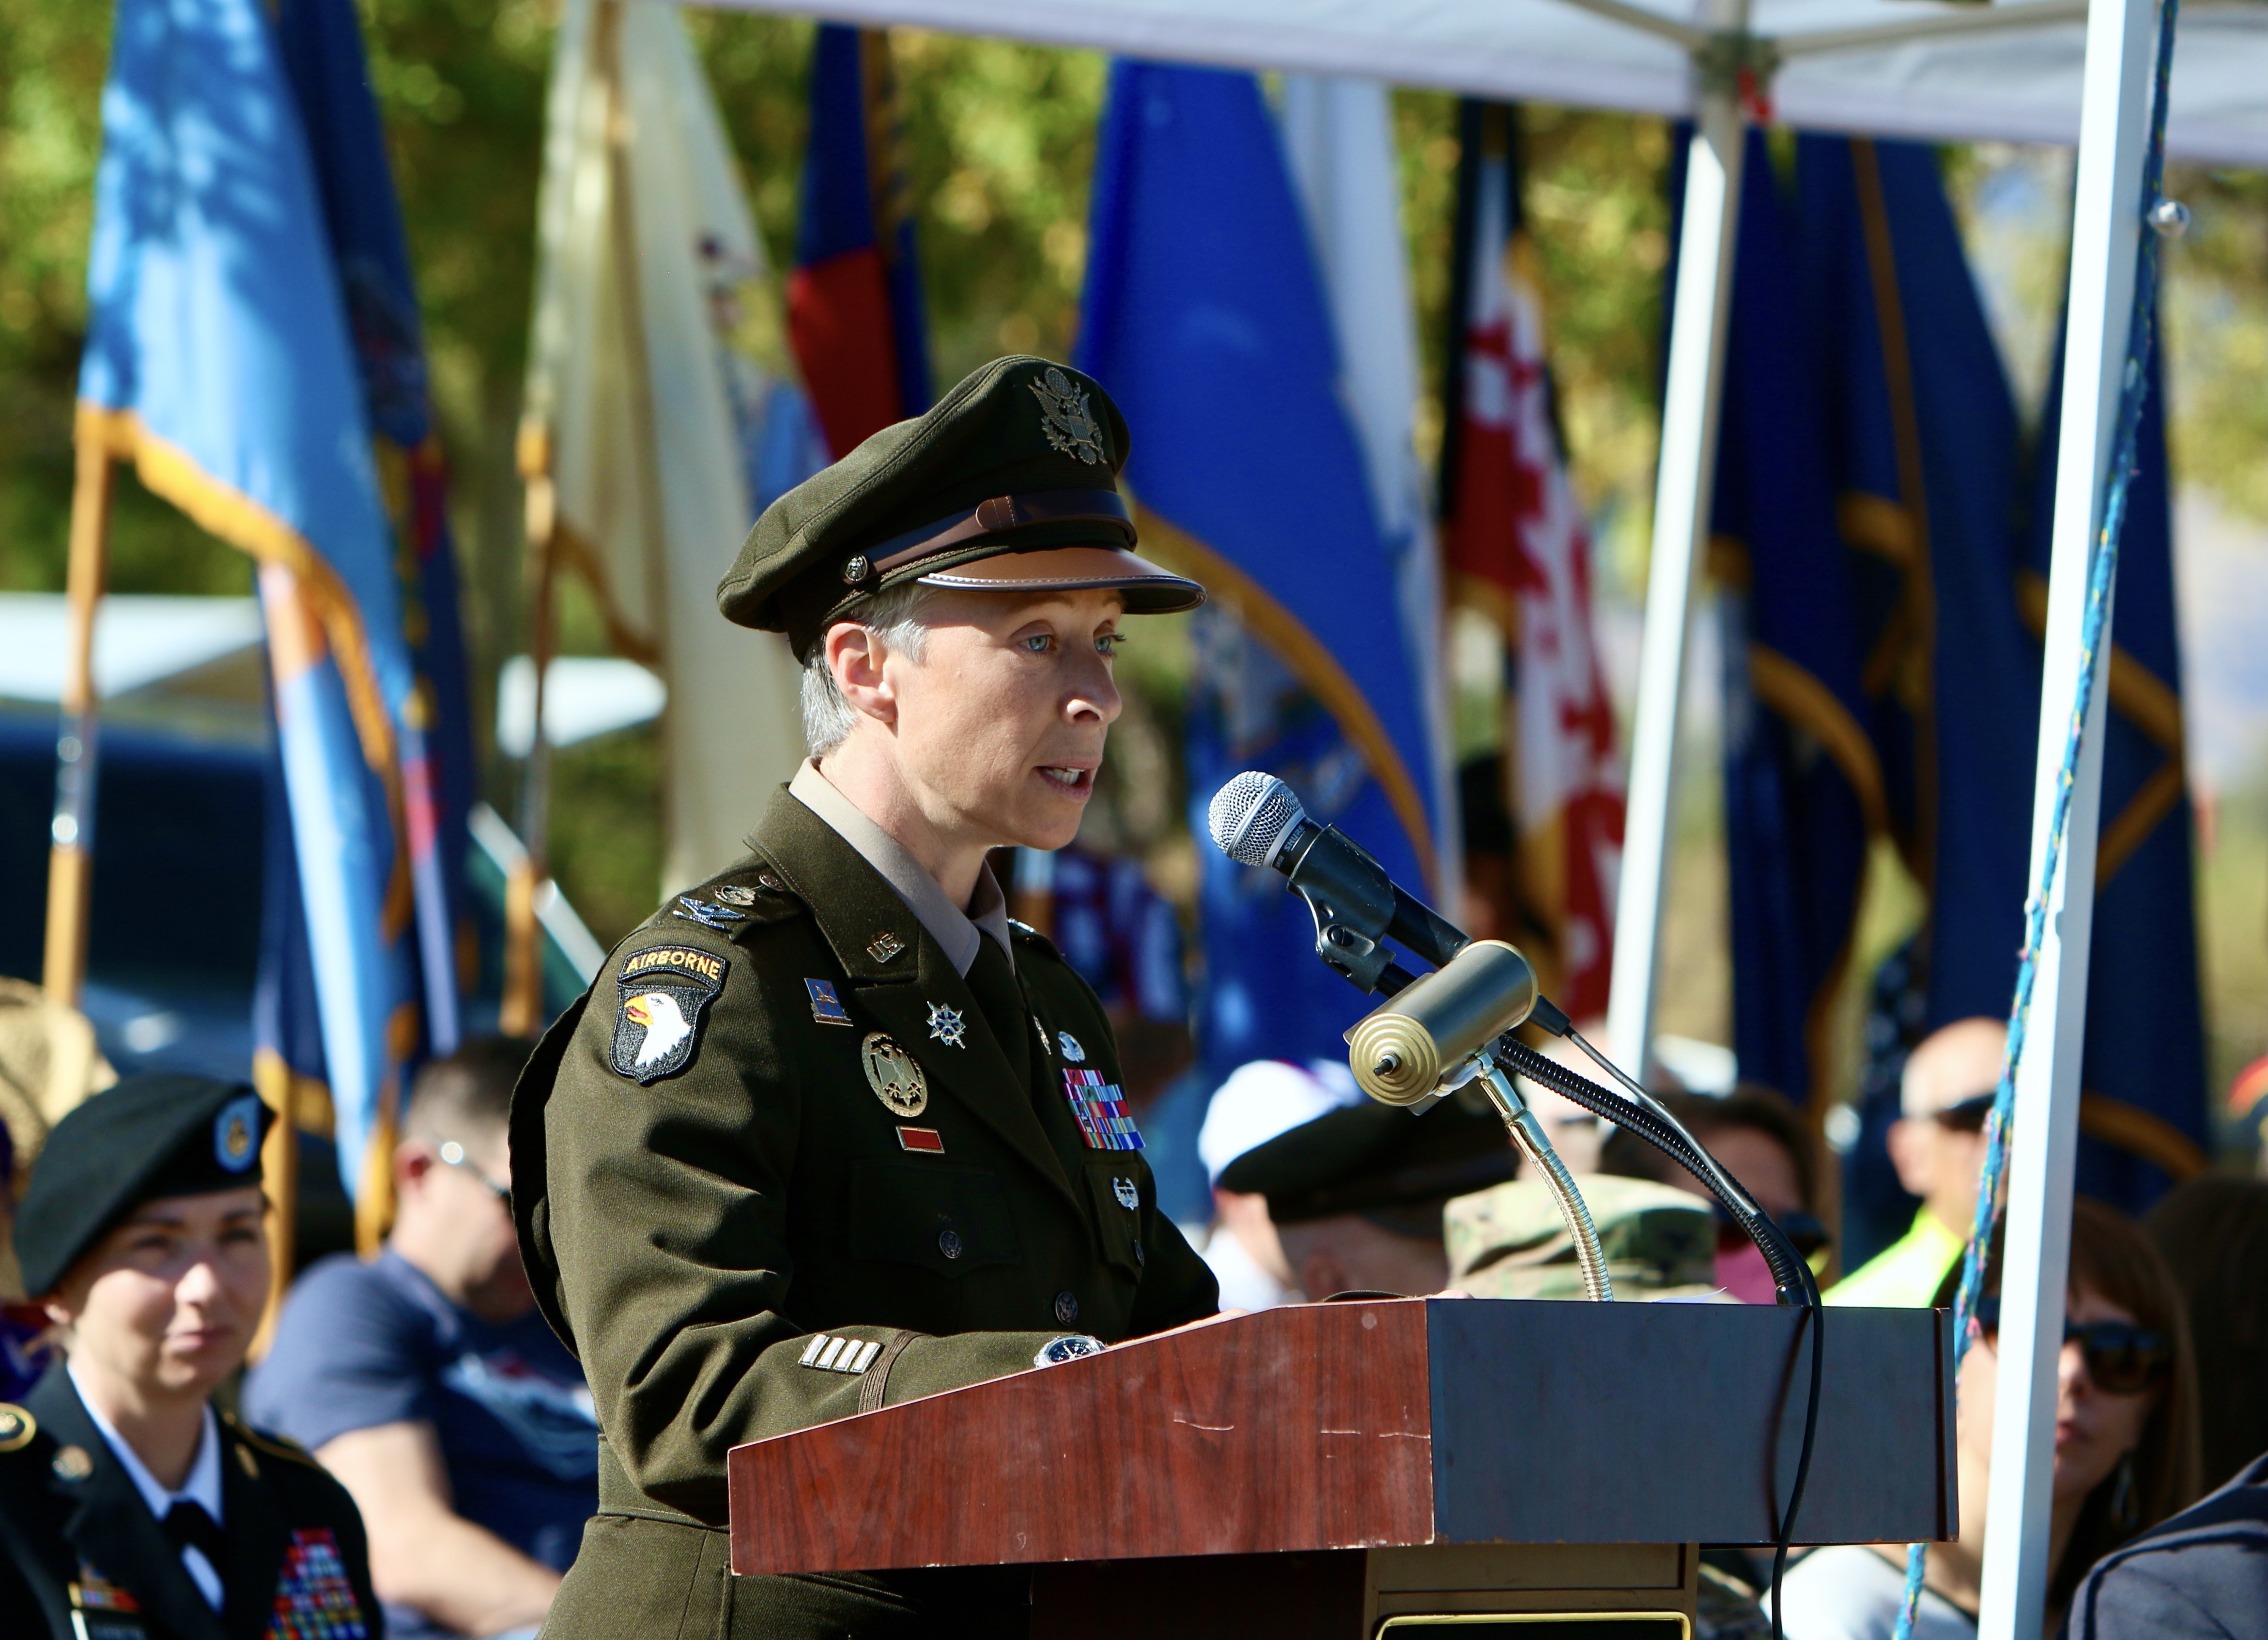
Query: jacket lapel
x,y
898,971
257,1537
109,1525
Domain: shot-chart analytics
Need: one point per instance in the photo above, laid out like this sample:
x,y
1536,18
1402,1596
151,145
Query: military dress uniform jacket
x,y
779,1165
82,1557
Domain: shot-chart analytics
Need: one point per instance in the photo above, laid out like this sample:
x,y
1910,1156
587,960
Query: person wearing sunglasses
x,y
2125,1445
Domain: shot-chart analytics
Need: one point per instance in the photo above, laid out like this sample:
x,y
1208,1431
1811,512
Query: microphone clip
x,y
1345,945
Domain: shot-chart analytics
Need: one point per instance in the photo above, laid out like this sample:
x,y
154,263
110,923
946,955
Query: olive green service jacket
x,y
777,1167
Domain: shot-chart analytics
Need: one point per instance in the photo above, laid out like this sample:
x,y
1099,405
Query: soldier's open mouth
x,y
1069,780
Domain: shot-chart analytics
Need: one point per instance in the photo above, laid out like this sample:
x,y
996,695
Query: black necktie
x,y
992,982
189,1527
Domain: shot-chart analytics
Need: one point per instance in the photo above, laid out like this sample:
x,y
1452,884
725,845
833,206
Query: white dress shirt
x,y
203,1487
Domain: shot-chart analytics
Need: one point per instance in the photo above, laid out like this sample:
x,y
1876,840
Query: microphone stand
x,y
1528,1138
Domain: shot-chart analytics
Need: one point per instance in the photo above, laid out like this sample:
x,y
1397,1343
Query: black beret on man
x,y
1021,456
148,1138
1378,1160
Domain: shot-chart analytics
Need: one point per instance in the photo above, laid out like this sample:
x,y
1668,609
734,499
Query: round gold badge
x,y
16,1427
71,1463
891,1072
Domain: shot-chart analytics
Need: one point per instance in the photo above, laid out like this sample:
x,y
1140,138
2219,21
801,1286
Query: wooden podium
x,y
1344,1470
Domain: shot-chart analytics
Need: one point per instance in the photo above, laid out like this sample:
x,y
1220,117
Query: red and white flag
x,y
1517,548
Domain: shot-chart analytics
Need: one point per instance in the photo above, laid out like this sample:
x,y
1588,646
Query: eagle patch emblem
x,y
665,990
1066,419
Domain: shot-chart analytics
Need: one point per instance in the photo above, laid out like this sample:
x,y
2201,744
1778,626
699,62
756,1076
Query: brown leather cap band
x,y
1000,515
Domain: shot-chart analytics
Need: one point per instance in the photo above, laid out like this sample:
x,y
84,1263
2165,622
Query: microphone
x,y
1257,820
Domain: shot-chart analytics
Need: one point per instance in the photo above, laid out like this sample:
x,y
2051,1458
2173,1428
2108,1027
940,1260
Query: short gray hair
x,y
894,617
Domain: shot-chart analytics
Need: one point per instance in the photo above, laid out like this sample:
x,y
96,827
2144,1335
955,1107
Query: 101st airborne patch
x,y
665,992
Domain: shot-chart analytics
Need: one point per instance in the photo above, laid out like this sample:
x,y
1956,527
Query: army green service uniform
x,y
1511,1242
814,1143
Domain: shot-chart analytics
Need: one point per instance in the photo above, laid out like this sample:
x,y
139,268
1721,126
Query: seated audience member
x,y
1756,1136
427,1382
1260,1101
2202,1575
1937,1147
1357,1194
2214,1233
129,1506
2126,1453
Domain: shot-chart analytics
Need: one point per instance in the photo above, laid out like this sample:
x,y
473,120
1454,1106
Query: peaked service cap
x,y
148,1137
1021,456
1382,1161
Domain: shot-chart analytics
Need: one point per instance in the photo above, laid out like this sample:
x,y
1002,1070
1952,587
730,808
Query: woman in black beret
x,y
129,1509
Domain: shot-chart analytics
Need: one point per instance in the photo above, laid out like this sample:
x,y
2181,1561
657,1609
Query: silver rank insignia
x,y
891,1072
708,915
946,1026
849,1356
733,894
884,946
1128,1197
1071,1050
1066,419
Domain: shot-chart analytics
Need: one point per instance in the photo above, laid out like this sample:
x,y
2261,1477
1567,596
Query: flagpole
x,y
70,860
2114,132
1684,489
521,1011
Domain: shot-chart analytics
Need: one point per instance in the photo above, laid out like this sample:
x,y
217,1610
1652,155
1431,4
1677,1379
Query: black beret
x,y
147,1137
1022,455
1378,1160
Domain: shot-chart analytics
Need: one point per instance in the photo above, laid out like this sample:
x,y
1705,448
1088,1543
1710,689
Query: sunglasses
x,y
2121,1359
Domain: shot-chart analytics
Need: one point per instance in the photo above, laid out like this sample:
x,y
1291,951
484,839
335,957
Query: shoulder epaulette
x,y
275,1445
748,896
1026,931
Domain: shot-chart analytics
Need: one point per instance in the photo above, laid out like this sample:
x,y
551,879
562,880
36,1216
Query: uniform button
x,y
1066,1308
1139,1257
948,1242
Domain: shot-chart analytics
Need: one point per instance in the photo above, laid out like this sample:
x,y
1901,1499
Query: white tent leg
x,y
2113,131
1684,485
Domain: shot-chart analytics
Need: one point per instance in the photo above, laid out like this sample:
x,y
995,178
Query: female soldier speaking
x,y
829,1132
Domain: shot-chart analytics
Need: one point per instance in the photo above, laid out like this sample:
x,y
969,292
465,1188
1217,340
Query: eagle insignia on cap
x,y
1065,418
236,1133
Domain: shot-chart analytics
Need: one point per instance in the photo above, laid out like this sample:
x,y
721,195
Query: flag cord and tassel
x,y
2161,217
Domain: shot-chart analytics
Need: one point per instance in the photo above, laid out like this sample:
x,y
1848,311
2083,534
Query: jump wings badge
x,y
665,990
891,1072
1070,426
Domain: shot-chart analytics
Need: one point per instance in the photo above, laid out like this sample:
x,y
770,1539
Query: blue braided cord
x,y
2102,575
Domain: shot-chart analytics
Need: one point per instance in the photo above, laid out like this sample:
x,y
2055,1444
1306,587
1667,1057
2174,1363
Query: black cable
x,y
1794,1285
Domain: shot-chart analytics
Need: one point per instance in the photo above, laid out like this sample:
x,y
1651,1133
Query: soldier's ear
x,y
855,655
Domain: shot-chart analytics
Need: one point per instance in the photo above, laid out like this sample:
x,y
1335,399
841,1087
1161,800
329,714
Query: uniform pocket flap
x,y
945,1219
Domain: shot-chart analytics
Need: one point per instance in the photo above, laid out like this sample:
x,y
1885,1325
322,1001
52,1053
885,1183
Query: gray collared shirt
x,y
956,931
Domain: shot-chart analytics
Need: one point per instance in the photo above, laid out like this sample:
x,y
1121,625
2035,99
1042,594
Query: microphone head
x,y
1252,815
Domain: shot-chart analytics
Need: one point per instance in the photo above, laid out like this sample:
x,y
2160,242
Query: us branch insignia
x,y
1070,426
665,992
946,1026
891,1072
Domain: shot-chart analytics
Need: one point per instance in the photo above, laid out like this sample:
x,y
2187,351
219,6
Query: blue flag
x,y
2142,1115
1204,316
219,360
1802,782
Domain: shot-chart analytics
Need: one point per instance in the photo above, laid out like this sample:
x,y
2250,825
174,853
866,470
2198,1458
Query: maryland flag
x,y
1517,549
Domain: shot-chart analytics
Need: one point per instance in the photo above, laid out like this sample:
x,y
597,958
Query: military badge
x,y
826,1006
1066,418
891,1072
733,894
927,1141
71,1463
706,915
236,1133
884,946
100,1610
314,1600
16,1427
946,1026
665,989
1128,1197
1100,1109
1071,1050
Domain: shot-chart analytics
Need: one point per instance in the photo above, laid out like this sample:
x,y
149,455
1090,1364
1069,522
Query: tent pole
x,y
2114,129
71,859
1684,483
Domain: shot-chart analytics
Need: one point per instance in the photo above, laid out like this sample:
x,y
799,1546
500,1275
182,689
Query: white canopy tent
x,y
2042,70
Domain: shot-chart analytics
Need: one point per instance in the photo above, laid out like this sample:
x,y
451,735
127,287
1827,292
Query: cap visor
x,y
1149,589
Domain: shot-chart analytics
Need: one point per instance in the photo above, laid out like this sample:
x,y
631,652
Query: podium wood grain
x,y
1358,1425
